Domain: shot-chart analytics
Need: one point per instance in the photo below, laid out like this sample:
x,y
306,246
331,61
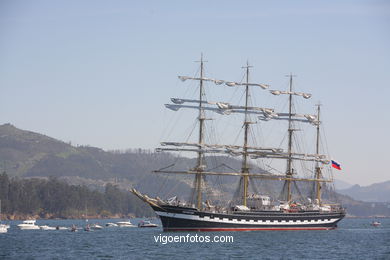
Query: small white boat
x,y
46,227
61,228
4,228
87,228
73,228
145,224
111,225
375,223
95,226
125,224
28,225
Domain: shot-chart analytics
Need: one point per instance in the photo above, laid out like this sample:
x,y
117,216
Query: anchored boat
x,y
249,208
3,227
28,225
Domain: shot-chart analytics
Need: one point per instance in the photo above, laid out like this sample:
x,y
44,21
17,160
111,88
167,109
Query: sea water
x,y
354,239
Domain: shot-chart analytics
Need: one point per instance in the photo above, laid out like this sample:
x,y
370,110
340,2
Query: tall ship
x,y
250,206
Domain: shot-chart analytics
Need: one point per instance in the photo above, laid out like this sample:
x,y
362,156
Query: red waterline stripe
x,y
246,229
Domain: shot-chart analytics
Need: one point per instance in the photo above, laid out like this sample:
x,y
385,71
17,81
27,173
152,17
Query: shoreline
x,y
17,217
5,217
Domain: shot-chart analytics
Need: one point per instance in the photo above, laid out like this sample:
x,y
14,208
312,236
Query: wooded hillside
x,y
52,198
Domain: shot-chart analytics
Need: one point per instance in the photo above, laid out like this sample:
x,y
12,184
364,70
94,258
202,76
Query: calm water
x,y
354,239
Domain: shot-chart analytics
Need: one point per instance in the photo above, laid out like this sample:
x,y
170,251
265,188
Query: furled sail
x,y
227,83
179,144
280,92
183,100
234,150
306,118
222,108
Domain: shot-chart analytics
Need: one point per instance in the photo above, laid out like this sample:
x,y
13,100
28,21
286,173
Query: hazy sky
x,y
98,72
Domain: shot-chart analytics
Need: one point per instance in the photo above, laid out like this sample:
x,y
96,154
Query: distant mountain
x,y
28,154
377,192
341,185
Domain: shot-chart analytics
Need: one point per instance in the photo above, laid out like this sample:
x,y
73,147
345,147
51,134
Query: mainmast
x,y
245,168
290,170
318,168
200,167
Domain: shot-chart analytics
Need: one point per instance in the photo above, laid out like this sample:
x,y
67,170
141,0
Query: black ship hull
x,y
175,218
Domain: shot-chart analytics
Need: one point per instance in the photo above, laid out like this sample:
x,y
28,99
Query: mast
x,y
290,133
245,168
318,168
200,167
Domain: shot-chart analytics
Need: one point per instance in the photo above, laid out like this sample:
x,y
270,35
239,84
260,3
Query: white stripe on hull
x,y
244,221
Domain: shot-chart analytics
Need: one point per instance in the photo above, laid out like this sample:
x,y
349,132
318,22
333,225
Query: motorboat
x,y
145,224
95,226
46,227
4,228
87,228
125,224
28,225
61,228
375,223
73,228
111,225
